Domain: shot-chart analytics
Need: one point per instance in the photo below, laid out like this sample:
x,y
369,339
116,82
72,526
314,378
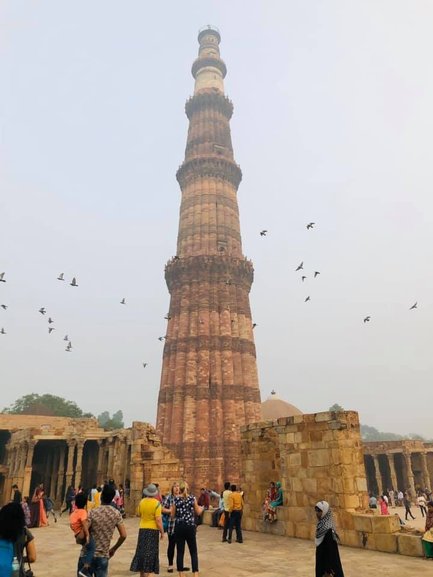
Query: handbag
x,y
222,519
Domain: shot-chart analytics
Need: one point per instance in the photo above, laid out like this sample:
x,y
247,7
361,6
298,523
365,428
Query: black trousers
x,y
68,506
235,521
170,548
408,512
186,534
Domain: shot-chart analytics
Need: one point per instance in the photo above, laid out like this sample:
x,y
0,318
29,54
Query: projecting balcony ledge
x,y
209,167
209,98
209,61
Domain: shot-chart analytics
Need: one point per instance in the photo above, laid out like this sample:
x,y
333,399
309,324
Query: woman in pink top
x,y
383,506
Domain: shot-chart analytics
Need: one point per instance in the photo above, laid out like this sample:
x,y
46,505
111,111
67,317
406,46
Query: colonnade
x,y
397,470
60,462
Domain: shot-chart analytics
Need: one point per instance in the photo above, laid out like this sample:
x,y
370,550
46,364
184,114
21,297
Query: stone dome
x,y
275,408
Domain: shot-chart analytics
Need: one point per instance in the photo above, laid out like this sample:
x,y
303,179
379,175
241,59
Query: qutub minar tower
x,y
209,384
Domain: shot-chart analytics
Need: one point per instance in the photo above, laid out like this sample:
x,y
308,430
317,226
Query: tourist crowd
x,y
95,515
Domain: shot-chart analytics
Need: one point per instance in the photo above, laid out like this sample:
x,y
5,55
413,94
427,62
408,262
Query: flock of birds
x,y
43,312
300,267
74,284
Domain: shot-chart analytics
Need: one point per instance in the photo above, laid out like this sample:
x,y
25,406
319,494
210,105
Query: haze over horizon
x,y
333,124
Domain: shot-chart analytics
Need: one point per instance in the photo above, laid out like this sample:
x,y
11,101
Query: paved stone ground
x,y
261,555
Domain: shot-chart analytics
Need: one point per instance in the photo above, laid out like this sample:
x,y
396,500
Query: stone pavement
x,y
261,555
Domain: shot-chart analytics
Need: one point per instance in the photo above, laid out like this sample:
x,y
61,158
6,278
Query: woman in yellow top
x,y
146,558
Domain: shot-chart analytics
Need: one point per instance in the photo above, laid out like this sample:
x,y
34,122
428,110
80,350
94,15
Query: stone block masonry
x,y
316,457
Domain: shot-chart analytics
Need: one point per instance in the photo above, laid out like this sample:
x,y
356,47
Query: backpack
x,y
6,558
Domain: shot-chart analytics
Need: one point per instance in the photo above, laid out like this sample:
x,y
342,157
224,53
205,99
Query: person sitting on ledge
x,y
277,502
271,493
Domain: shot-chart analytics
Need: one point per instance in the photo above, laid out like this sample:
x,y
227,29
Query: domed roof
x,y
275,408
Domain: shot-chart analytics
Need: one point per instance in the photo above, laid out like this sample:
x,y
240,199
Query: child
x,y
26,509
80,527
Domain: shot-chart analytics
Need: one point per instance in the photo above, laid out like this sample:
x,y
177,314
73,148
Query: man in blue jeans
x,y
102,521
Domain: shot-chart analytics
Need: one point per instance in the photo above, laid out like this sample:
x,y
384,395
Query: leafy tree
x,y
46,404
336,408
109,423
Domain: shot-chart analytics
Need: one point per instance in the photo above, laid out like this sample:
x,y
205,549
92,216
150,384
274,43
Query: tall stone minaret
x,y
209,384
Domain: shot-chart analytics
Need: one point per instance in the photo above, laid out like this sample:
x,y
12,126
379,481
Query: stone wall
x,y
316,457
150,462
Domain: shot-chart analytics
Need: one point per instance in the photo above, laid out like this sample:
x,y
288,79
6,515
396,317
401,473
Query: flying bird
x,y
69,347
300,267
367,319
3,332
66,338
263,232
303,278
144,365
42,310
310,225
307,299
4,307
50,330
316,272
123,301
61,275
68,350
254,325
2,279
161,338
414,306
74,282
167,317
50,320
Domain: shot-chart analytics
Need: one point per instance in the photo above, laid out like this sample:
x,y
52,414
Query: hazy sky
x,y
333,123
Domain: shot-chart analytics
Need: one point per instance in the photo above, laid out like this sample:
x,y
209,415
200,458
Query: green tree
x,y
46,404
109,423
336,408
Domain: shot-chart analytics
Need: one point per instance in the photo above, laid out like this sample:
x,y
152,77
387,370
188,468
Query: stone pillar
x,y
28,468
79,465
378,475
393,472
53,475
425,473
409,474
60,473
99,478
70,466
110,458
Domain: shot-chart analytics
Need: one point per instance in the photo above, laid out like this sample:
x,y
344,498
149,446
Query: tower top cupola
x,y
209,69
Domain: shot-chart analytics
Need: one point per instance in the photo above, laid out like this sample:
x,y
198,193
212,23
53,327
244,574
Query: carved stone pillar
x,y
79,465
53,473
99,478
60,474
425,473
110,458
409,474
393,472
28,468
70,465
378,475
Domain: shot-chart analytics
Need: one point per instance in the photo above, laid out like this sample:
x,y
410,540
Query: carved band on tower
x,y
209,383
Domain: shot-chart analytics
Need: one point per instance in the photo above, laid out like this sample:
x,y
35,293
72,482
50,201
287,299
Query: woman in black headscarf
x,y
327,556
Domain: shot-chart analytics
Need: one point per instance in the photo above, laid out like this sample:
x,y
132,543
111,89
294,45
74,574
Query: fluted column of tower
x,y
209,384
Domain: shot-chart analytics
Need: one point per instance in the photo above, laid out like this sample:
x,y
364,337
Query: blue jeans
x,y
98,568
89,551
